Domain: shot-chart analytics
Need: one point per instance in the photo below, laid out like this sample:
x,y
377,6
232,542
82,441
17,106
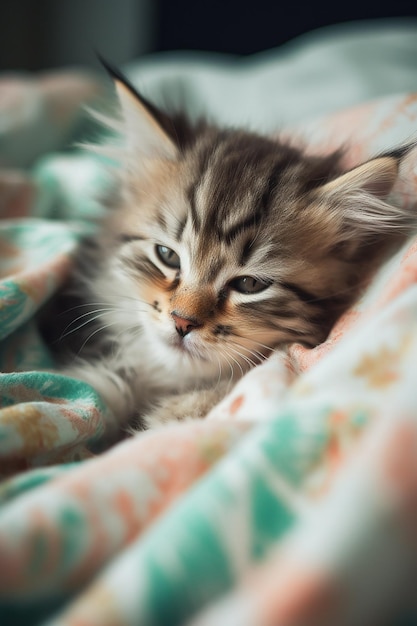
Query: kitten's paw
x,y
185,406
112,388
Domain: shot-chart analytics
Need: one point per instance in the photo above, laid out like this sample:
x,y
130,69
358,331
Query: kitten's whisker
x,y
100,312
256,355
242,356
259,356
234,360
237,352
107,304
100,328
226,355
92,312
220,368
251,340
89,304
258,343
245,348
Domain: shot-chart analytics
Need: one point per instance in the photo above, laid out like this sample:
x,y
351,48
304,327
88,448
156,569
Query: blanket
x,y
292,503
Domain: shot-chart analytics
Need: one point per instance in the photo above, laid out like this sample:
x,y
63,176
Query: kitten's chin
x,y
187,348
179,348
188,361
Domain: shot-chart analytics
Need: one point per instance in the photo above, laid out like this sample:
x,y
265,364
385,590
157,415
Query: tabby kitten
x,y
221,246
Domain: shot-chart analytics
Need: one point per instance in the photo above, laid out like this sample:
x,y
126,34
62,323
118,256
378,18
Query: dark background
x,y
39,34
248,27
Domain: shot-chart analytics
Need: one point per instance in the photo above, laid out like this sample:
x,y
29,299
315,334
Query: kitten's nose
x,y
184,325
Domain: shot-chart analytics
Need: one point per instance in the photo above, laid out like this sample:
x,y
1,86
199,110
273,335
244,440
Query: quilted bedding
x,y
294,503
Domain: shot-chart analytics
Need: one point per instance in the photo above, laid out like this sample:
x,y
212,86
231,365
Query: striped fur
x,y
230,204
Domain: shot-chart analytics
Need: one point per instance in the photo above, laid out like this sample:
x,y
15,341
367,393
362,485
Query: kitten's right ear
x,y
147,129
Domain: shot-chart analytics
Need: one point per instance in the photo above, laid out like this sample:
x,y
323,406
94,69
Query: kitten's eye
x,y
248,284
168,257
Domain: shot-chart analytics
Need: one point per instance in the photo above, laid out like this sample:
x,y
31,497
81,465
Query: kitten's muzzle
x,y
184,325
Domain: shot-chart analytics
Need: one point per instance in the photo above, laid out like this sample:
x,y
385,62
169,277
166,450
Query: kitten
x,y
221,245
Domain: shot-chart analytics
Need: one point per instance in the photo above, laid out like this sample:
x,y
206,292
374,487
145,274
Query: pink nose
x,y
184,325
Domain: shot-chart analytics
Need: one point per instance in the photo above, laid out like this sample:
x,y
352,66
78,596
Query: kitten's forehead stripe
x,y
191,196
246,252
270,186
180,228
162,221
240,227
237,183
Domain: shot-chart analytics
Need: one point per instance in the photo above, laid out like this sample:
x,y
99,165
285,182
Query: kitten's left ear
x,y
376,177
355,205
147,128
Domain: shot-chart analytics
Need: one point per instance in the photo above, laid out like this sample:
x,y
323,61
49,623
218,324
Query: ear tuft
x,y
144,125
376,177
356,204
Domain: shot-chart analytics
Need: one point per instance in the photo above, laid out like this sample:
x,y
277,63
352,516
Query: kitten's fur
x,y
160,342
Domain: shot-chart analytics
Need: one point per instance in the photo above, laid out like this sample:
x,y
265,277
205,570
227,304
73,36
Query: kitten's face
x,y
215,280
232,244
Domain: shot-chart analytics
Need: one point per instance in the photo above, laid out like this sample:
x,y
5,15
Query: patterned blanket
x,y
293,503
